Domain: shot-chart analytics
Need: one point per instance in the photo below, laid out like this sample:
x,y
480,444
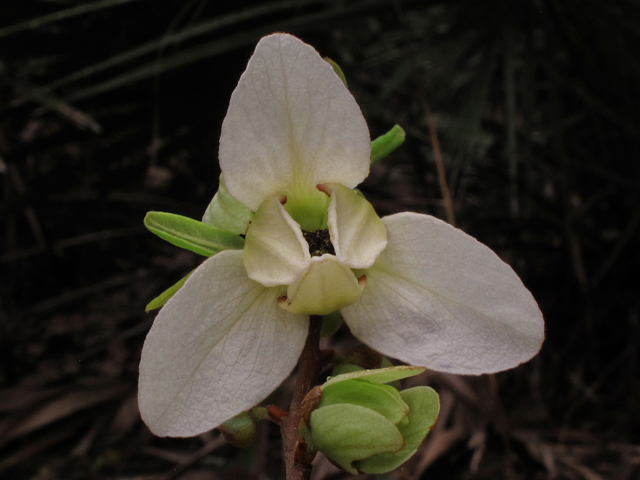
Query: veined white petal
x,y
437,297
275,251
324,287
291,125
357,233
218,347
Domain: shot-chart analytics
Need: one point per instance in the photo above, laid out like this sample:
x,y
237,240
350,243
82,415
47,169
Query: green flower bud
x,y
240,431
365,426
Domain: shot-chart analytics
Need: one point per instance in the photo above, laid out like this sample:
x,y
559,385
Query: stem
x,y
298,466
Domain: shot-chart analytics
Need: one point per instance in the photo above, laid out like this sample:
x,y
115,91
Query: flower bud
x,y
240,431
365,426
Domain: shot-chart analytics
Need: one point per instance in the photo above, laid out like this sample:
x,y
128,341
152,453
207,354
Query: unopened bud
x,y
240,431
365,426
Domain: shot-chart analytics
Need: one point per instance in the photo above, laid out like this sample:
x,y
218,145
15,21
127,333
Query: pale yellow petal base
x,y
324,287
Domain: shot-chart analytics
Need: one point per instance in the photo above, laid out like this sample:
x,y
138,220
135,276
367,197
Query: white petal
x,y
437,297
291,125
218,347
357,233
326,286
275,252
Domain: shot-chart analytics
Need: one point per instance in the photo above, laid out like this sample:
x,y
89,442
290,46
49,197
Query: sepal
x,y
387,143
164,297
191,234
227,213
338,70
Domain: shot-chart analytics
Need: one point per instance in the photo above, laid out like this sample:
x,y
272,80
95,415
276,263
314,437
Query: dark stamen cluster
x,y
319,242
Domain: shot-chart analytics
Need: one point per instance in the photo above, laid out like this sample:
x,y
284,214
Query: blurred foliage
x,y
112,108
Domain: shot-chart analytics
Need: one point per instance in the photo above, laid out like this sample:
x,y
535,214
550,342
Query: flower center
x,y
319,242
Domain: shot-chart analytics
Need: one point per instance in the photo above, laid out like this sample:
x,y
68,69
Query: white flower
x,y
410,286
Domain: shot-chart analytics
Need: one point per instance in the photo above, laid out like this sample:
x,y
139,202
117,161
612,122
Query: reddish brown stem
x,y
299,466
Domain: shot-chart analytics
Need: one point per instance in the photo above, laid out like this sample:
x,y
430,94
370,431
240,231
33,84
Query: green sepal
x,y
337,69
378,397
227,213
331,323
164,297
424,405
346,433
381,375
191,234
387,143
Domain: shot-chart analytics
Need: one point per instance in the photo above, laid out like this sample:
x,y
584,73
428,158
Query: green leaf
x,y
164,297
380,375
387,143
424,405
337,69
386,363
226,213
191,234
378,397
346,433
342,368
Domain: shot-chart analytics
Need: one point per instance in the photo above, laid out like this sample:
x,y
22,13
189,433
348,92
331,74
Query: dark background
x,y
111,112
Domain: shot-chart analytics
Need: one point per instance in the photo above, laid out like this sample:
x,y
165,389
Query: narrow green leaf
x,y
380,375
164,297
424,405
338,70
387,143
191,234
227,213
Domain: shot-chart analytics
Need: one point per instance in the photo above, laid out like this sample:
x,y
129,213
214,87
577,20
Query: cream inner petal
x,y
324,287
275,252
357,233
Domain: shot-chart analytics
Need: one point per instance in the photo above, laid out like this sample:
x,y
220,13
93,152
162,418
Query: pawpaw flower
x,y
293,147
